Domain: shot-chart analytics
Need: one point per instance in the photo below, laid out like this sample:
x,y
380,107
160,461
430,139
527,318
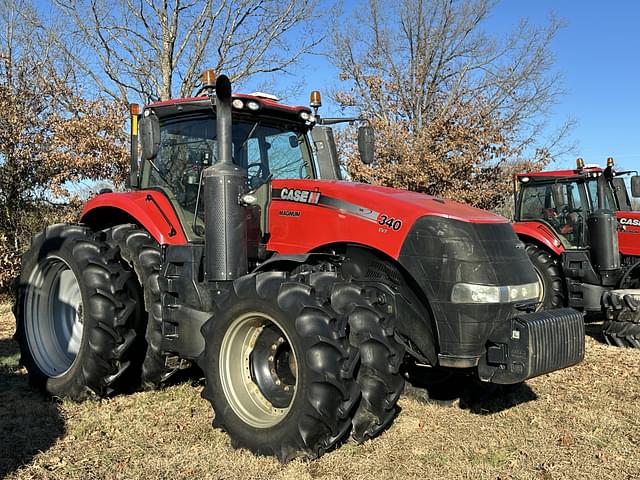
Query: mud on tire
x,y
288,390
73,311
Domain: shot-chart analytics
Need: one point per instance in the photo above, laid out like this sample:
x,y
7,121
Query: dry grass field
x,y
583,422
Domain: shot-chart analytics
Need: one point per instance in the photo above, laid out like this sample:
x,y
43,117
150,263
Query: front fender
x,y
539,233
150,209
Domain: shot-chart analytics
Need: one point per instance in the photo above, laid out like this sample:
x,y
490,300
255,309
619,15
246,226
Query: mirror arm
x,y
334,121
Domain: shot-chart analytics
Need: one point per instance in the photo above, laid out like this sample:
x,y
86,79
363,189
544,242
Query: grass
x,y
583,422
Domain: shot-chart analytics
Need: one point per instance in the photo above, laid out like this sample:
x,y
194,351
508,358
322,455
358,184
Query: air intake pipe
x,y
224,183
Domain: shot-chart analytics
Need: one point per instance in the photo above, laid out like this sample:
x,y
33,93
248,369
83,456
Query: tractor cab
x,y
269,141
564,199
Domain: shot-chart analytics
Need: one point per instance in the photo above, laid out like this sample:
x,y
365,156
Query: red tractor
x,y
581,234
303,301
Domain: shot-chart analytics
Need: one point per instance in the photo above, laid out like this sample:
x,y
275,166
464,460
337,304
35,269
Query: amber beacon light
x,y
208,78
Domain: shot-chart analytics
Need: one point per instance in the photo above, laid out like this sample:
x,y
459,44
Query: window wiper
x,y
246,140
162,177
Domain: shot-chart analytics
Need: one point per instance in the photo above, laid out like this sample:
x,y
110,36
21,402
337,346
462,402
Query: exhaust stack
x,y
224,183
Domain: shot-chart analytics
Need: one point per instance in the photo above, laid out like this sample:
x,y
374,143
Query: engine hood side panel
x,y
306,214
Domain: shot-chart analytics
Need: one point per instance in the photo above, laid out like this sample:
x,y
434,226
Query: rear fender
x,y
150,209
538,232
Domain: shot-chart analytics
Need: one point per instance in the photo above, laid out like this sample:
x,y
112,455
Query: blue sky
x,y
598,54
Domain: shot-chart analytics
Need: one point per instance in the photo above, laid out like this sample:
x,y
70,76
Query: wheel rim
x,y
540,305
53,316
258,370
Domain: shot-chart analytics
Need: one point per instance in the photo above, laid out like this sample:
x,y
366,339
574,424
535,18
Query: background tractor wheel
x,y
622,309
142,254
279,367
371,325
549,278
73,311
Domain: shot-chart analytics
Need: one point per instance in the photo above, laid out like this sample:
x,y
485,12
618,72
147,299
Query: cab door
x,y
566,216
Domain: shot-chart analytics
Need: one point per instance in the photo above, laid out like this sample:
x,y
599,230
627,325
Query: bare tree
x,y
50,135
155,49
469,104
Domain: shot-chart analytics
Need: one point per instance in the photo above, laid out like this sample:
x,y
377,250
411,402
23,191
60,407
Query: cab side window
x,y
187,146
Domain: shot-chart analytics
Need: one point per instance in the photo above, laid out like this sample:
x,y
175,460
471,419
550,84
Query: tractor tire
x,y
142,254
622,326
549,277
371,330
73,312
279,367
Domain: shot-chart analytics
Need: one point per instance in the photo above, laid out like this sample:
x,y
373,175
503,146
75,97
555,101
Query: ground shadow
x,y
29,422
465,391
593,327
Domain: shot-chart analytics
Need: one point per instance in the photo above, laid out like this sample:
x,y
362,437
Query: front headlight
x,y
473,293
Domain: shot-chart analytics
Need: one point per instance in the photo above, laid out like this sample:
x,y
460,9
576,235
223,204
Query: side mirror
x,y
150,135
557,191
366,144
635,186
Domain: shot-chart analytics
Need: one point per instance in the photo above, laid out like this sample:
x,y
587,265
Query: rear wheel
x,y
142,254
73,311
279,367
551,291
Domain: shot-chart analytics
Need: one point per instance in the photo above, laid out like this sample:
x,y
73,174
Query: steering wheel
x,y
259,178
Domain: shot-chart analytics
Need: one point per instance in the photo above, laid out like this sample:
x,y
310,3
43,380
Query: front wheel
x,y
279,367
551,291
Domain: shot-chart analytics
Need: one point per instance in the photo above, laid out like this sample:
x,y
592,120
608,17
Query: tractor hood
x,y
384,199
307,214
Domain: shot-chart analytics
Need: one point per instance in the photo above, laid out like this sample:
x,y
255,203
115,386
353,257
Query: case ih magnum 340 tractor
x,y
303,301
583,238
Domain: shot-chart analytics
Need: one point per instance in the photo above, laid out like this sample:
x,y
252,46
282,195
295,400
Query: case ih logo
x,y
630,221
301,196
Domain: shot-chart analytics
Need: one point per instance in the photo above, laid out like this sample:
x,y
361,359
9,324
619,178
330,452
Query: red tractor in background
x,y
303,301
583,238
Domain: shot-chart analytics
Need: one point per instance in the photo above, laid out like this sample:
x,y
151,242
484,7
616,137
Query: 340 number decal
x,y
390,222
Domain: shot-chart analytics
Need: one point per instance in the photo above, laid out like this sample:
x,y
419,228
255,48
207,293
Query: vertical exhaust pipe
x,y
224,183
602,185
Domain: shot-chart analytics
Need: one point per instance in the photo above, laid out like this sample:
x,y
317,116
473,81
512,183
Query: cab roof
x,y
577,173
183,105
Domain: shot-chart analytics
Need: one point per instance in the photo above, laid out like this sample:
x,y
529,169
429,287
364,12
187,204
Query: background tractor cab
x,y
581,232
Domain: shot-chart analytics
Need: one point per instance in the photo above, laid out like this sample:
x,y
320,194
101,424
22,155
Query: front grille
x,y
556,339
